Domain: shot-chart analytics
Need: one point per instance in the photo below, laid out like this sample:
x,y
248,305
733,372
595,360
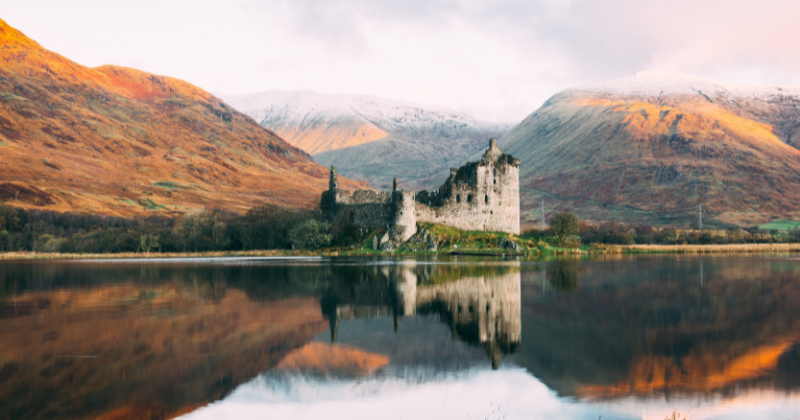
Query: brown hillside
x,y
653,148
342,134
119,141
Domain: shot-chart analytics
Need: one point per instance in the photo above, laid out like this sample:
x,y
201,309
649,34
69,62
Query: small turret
x,y
492,153
333,184
394,185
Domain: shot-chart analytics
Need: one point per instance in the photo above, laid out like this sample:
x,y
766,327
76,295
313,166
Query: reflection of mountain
x,y
335,359
158,348
650,327
482,310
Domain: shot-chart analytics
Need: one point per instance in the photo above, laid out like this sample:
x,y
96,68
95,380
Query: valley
x,y
370,138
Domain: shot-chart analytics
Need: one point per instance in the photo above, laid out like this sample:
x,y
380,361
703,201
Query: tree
x,y
8,218
794,233
564,225
218,234
310,234
148,242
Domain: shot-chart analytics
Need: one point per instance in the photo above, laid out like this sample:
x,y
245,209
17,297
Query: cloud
x,y
498,60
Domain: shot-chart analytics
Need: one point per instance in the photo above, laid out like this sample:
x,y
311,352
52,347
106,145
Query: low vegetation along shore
x,y
273,231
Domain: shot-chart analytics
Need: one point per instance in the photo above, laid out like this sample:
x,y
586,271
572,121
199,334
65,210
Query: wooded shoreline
x,y
605,249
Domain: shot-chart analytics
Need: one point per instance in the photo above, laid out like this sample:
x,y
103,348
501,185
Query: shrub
x,y
310,234
563,226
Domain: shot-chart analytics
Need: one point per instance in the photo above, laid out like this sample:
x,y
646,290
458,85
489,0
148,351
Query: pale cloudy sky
x,y
498,60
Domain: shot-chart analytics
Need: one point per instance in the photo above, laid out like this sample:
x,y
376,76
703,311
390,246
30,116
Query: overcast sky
x,y
497,60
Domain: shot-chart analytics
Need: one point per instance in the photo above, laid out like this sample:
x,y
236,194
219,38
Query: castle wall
x,y
373,215
365,208
404,217
490,203
481,195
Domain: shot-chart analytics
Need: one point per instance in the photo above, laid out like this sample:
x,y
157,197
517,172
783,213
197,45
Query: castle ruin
x,y
482,195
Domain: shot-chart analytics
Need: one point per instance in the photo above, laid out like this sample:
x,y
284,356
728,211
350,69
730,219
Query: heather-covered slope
x,y
654,146
372,138
120,141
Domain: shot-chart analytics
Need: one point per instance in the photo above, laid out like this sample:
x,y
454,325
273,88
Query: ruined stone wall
x,y
487,198
364,208
372,216
404,218
481,195
343,197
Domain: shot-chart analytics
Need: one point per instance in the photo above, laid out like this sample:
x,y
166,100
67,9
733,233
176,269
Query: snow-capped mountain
x,y
658,82
653,146
300,113
369,137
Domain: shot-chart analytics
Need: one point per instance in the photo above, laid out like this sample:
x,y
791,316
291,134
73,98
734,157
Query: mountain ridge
x,y
640,149
120,141
372,138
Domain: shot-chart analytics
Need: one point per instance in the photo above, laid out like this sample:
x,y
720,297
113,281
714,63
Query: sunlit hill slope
x,y
654,146
119,141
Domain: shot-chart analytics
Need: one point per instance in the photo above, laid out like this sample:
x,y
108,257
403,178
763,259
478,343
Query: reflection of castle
x,y
479,310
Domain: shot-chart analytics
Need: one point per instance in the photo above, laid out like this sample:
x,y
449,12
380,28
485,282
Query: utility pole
x,y
700,216
16,194
543,227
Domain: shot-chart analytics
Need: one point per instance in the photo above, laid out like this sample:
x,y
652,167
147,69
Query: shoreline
x,y
703,249
602,249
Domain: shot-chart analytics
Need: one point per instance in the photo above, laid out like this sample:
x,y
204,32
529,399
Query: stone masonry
x,y
482,195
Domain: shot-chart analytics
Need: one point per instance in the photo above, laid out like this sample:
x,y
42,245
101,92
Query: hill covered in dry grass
x,y
118,141
653,146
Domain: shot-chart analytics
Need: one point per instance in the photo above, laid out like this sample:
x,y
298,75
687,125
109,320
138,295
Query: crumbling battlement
x,y
482,195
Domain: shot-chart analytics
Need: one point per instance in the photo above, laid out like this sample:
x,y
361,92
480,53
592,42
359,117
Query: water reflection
x,y
650,328
564,276
348,337
480,307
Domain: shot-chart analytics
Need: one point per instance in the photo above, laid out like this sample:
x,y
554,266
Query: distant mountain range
x,y
655,146
118,141
371,138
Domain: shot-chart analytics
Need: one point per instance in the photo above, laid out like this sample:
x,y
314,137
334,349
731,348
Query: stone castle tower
x,y
482,195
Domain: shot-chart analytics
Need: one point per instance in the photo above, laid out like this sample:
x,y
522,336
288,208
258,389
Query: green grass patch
x,y
169,185
150,204
780,225
126,201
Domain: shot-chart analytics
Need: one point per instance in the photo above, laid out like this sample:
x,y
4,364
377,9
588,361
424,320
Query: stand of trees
x,y
263,227
272,227
567,230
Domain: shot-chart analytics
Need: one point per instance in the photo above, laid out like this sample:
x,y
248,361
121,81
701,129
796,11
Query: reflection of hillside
x,y
332,359
158,351
481,309
644,327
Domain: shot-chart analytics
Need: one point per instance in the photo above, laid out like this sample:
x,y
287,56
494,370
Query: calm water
x,y
643,338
